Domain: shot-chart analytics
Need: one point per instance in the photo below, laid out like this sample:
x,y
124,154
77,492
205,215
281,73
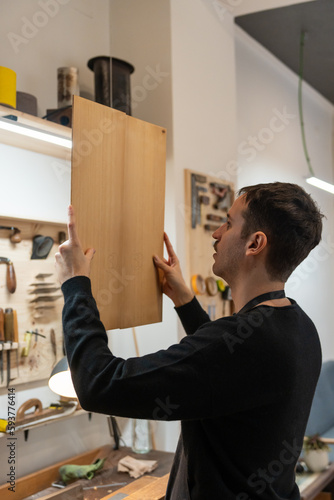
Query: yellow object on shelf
x,y
7,87
3,425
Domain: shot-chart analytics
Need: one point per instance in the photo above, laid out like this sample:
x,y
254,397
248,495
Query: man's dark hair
x,y
290,219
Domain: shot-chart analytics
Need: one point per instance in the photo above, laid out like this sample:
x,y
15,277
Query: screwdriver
x,y
16,339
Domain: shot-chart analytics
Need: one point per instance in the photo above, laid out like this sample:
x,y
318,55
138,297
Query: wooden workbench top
x,y
38,485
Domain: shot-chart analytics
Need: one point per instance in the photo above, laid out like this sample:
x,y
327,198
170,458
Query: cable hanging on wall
x,y
311,180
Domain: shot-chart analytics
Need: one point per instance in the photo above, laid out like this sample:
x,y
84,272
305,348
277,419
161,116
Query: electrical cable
x,y
300,100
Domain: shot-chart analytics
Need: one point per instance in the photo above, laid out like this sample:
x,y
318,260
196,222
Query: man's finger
x,y
160,264
169,246
72,230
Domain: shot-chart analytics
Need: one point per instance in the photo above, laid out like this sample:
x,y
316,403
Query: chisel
x,y
2,340
9,336
16,339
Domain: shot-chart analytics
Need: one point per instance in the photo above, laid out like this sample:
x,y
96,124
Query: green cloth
x,y
71,471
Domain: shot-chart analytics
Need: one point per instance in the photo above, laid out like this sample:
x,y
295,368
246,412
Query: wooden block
x,y
132,487
118,186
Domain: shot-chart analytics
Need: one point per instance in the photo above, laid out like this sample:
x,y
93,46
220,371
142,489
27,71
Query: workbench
x,y
151,486
318,485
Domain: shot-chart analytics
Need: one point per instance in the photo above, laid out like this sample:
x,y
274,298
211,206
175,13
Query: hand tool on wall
x,y
211,286
9,336
211,227
41,246
198,284
195,205
16,339
10,275
15,237
53,344
223,194
216,218
202,200
27,339
61,237
39,290
41,276
45,298
2,340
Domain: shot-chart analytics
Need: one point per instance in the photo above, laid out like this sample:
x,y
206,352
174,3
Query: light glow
x,y
61,383
34,133
326,186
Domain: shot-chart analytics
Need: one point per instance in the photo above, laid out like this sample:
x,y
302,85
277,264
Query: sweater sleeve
x,y
201,377
192,316
171,384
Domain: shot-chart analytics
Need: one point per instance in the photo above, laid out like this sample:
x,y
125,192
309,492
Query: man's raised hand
x,y
71,260
173,284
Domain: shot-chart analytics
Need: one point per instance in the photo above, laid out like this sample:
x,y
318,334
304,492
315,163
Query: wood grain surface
x,y
118,187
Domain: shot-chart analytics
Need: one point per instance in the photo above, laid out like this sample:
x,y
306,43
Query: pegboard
x,y
33,314
207,201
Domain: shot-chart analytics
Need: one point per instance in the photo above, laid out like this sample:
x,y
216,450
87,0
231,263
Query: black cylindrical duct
x,y
121,71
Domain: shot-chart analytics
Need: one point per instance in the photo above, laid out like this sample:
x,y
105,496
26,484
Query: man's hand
x,y
71,260
173,284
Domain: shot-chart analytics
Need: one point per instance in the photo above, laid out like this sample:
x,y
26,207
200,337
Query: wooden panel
x,y
118,174
143,209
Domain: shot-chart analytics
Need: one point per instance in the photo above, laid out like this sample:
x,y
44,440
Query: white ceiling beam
x,y
241,7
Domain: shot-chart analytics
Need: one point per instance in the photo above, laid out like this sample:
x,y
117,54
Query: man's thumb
x,y
159,263
90,253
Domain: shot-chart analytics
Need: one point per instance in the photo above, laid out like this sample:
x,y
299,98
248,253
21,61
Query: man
x,y
242,385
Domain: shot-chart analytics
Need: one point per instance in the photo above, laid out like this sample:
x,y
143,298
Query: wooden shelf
x,y
19,141
44,422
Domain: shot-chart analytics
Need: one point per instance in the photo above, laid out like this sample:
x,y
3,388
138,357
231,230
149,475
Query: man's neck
x,y
244,293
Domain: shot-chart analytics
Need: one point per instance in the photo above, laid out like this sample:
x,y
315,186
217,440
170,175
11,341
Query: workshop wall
x,y
192,93
277,155
34,46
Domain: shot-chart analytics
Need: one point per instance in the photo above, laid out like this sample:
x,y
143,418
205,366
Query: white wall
x,y
195,100
265,87
204,97
38,36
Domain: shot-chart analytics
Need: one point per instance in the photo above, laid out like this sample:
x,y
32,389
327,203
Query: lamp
x,y
60,380
326,186
34,133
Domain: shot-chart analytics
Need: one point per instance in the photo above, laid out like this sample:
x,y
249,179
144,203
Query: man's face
x,y
229,247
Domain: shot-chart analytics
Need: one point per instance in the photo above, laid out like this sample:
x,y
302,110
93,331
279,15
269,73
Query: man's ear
x,y
256,243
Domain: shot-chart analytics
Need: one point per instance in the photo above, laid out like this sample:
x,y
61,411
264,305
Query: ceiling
x,y
279,30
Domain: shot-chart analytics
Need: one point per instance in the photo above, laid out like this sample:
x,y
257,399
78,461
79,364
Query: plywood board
x,y
117,190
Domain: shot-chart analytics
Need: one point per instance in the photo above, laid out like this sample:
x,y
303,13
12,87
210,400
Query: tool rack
x,y
40,358
207,201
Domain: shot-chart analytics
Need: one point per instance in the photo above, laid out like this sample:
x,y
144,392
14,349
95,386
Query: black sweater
x,y
241,385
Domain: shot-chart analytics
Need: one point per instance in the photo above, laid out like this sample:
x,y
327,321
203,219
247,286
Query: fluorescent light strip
x,y
326,186
34,133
